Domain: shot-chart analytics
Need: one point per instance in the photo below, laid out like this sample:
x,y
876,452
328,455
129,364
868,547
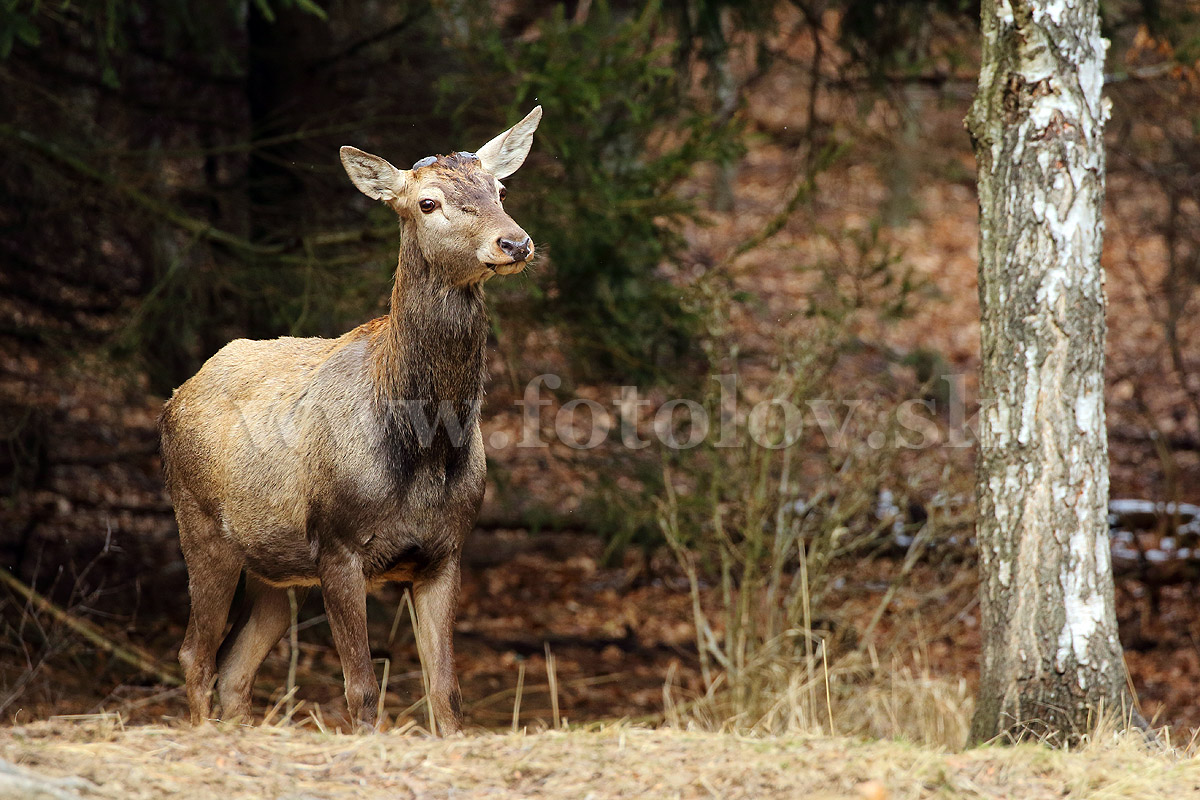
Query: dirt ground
x,y
100,758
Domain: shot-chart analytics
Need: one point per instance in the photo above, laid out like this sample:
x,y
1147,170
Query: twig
x,y
480,705
413,15
516,718
915,550
383,687
188,223
801,192
293,651
1148,73
289,700
552,679
828,699
129,653
428,698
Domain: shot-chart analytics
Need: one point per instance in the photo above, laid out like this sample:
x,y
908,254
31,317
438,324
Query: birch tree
x,y
1052,663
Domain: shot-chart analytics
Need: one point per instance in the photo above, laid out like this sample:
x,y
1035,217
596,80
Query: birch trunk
x,y
1052,663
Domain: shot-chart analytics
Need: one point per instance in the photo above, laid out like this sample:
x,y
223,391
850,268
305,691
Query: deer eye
x,y
503,193
427,205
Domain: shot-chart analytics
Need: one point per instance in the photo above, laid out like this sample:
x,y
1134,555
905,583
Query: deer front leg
x,y
436,601
345,593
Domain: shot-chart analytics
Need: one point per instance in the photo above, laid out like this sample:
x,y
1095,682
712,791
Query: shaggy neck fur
x,y
429,366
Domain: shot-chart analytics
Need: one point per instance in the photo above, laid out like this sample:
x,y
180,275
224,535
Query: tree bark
x,y
1052,663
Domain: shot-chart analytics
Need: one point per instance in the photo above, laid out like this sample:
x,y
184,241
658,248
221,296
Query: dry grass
x,y
614,761
854,697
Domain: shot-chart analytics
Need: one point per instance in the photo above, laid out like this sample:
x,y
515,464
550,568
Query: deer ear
x,y
373,176
505,154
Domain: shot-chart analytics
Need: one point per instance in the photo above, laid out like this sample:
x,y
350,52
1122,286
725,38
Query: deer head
x,y
454,203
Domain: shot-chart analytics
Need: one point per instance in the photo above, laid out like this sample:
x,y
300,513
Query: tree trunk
x,y
1052,663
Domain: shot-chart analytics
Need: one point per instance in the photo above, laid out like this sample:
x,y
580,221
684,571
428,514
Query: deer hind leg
x,y
436,601
214,566
265,616
344,590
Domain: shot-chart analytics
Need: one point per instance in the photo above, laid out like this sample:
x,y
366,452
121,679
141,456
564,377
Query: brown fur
x,y
305,462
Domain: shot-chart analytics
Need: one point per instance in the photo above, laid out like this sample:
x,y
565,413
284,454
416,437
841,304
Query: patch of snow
x,y
886,509
885,505
1125,553
1128,506
1122,506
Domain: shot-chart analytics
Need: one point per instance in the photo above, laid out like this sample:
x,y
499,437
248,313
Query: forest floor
x,y
622,638
98,757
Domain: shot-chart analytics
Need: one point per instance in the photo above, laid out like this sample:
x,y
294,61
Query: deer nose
x,y
517,251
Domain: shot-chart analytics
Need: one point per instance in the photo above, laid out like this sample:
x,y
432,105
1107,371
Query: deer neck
x,y
433,347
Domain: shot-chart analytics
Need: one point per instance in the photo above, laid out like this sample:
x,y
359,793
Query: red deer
x,y
346,463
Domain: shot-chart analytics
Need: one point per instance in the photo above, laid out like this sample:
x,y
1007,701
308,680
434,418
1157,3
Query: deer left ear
x,y
373,176
505,154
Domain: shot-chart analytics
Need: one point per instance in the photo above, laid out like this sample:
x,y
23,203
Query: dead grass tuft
x,y
851,698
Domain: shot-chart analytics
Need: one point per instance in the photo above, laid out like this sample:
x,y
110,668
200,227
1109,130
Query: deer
x,y
351,462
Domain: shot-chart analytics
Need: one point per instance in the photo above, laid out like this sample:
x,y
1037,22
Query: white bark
x,y
1052,661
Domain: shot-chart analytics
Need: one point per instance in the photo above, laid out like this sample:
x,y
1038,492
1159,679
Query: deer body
x,y
348,462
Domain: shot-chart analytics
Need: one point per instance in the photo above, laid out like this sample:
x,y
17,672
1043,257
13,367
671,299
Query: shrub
x,y
622,129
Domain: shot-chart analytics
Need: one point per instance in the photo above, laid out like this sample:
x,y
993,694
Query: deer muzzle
x,y
514,252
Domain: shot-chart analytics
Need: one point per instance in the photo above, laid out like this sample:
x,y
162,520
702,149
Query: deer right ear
x,y
505,154
373,176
